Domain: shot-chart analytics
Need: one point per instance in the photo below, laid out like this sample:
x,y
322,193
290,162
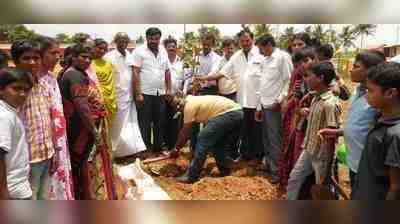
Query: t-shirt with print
x,y
382,151
13,142
200,109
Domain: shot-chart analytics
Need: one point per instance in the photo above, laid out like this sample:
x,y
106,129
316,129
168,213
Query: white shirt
x,y
176,69
246,74
13,142
226,85
122,75
275,77
152,69
207,62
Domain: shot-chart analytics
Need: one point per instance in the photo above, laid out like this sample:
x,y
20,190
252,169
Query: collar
x,y
325,95
210,54
361,90
119,53
389,121
8,106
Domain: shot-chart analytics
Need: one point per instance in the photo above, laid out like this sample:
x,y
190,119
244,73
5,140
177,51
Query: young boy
x,y
36,117
14,154
360,113
379,168
324,112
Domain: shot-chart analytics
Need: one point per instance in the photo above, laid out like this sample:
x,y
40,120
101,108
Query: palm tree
x,y
261,29
347,37
364,30
286,37
319,33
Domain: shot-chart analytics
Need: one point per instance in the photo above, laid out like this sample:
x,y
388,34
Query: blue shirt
x,y
360,116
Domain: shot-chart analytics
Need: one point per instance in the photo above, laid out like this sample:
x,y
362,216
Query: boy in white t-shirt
x,y
14,155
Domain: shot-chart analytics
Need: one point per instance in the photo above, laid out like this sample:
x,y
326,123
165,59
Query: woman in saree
x,y
86,128
291,146
105,76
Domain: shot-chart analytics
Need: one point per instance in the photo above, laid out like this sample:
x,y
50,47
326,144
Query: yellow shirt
x,y
203,108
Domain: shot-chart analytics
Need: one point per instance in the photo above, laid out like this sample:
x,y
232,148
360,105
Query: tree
x,y
5,30
80,38
140,40
190,48
318,33
347,37
364,30
261,29
212,30
63,38
286,37
14,32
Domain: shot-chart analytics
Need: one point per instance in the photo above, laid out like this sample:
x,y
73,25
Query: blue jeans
x,y
214,137
272,139
40,178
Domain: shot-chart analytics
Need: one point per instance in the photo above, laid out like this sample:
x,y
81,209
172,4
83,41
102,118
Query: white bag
x,y
146,188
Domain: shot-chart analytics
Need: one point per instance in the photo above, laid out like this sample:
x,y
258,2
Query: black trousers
x,y
172,127
151,117
251,146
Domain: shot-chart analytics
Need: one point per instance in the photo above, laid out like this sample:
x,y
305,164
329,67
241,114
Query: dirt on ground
x,y
247,181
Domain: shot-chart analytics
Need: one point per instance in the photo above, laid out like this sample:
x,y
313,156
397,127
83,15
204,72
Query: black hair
x,y
66,61
3,59
266,39
325,50
100,41
45,43
369,58
169,40
80,48
227,42
152,31
386,75
21,46
10,75
243,32
208,36
326,70
304,53
306,38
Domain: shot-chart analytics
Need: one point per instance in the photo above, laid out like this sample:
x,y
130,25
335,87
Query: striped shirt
x,y
36,117
325,112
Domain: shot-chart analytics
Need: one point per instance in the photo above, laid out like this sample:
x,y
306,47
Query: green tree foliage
x,y
261,29
347,36
364,30
140,40
63,38
13,32
80,38
286,37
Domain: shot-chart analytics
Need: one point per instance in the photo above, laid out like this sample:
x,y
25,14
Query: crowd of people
x,y
62,131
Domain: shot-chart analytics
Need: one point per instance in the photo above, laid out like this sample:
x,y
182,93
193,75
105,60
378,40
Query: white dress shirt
x,y
122,75
176,74
207,62
152,69
275,77
226,85
246,74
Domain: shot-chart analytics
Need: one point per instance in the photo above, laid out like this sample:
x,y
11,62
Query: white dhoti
x,y
126,138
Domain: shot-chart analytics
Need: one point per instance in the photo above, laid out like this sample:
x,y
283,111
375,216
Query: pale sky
x,y
385,33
